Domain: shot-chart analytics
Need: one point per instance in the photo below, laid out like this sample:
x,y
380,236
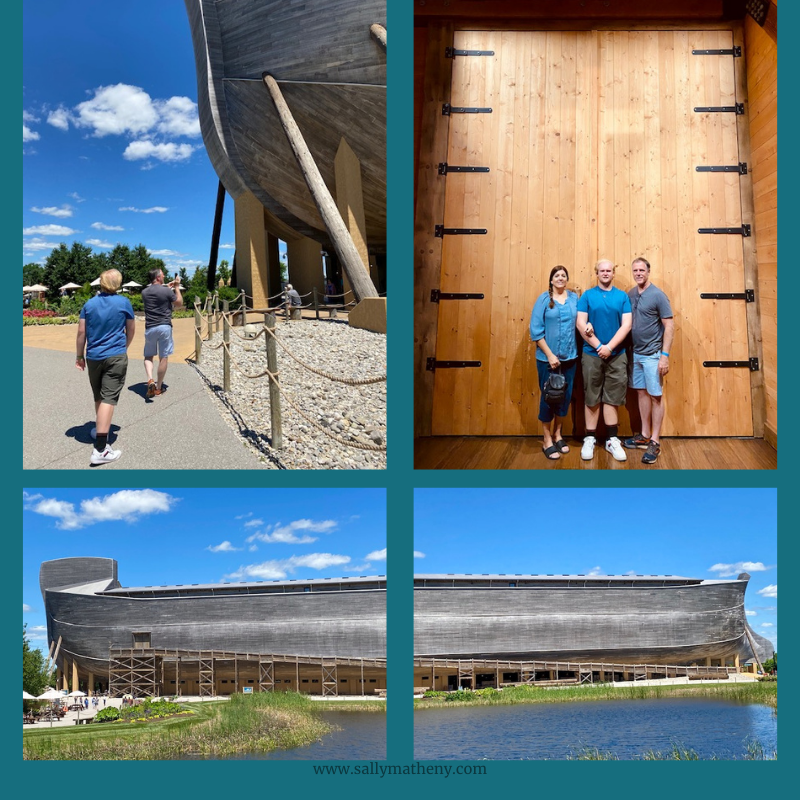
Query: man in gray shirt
x,y
159,301
652,333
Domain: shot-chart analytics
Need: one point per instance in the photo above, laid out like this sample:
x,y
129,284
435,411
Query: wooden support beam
x,y
342,242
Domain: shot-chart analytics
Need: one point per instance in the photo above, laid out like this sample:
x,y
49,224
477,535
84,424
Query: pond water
x,y
362,738
626,728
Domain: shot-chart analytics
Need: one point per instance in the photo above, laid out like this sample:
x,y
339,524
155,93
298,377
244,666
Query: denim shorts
x,y
644,374
158,339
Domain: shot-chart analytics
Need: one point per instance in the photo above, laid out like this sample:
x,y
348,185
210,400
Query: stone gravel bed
x,y
353,413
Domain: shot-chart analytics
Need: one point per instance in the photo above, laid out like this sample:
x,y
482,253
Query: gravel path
x,y
356,414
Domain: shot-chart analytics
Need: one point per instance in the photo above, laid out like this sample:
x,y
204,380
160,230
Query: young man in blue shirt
x,y
604,320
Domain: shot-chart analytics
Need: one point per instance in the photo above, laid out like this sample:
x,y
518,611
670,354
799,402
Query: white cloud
x,y
99,243
595,571
769,591
37,633
281,568
60,118
227,247
126,505
164,253
48,230
224,547
118,109
767,625
26,607
28,135
419,554
287,534
76,197
166,151
54,211
178,117
729,570
253,523
32,245
27,116
152,210
101,226
244,516
750,613
376,555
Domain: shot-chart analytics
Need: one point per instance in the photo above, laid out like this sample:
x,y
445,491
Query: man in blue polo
x,y
652,334
604,320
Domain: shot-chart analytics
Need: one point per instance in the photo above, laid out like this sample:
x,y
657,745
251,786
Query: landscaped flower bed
x,y
36,312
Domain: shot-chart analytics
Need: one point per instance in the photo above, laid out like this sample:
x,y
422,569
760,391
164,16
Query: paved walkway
x,y
182,429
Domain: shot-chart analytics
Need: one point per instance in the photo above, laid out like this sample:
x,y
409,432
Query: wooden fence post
x,y
226,338
316,302
274,392
198,341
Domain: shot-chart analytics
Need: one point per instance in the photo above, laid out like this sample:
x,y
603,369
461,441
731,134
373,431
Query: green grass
x,y
261,722
764,693
374,706
754,751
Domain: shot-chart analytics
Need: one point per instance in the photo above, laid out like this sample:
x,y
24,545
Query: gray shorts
x,y
605,381
158,340
107,377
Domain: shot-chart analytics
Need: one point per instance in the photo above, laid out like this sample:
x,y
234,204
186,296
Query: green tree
x,y
57,270
34,668
141,262
224,271
32,274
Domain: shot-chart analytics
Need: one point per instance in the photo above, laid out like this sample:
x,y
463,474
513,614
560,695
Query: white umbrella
x,y
131,285
52,695
77,693
95,282
69,286
37,287
26,696
26,288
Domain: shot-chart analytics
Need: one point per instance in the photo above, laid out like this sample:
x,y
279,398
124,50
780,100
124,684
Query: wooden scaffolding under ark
x,y
151,672
480,673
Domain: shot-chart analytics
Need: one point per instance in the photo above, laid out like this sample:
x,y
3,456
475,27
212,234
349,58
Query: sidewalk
x,y
182,429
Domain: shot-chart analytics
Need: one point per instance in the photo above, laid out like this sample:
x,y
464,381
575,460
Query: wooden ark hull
x,y
653,620
332,73
91,613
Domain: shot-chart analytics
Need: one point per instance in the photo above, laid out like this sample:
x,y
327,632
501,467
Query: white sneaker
x,y
587,451
106,456
614,446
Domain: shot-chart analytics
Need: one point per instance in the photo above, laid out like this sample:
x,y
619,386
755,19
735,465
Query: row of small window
x,y
303,680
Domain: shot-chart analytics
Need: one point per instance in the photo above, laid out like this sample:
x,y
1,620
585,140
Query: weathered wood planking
x,y
235,41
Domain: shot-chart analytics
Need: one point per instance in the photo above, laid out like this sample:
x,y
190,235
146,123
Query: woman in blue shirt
x,y
553,330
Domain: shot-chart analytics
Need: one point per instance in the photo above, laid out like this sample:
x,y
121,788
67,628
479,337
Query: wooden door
x,y
592,145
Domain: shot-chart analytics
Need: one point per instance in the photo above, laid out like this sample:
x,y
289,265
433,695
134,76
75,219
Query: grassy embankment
x,y
261,722
764,693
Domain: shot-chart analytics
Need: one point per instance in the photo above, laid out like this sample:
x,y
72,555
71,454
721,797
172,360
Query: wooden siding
x,y
761,54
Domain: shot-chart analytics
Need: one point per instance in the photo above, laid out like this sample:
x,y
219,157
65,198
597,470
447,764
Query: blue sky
x,y
695,533
170,536
112,150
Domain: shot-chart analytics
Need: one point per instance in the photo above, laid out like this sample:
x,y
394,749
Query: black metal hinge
x,y
737,109
741,168
433,364
736,52
444,168
447,110
451,52
742,230
749,295
436,296
751,364
440,231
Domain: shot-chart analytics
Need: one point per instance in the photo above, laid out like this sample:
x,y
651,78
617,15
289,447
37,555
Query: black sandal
x,y
550,452
561,446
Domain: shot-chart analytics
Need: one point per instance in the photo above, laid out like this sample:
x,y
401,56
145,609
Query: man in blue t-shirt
x,y
604,320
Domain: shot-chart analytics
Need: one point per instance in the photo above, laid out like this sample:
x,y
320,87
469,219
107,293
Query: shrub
x,y
461,696
434,693
108,714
